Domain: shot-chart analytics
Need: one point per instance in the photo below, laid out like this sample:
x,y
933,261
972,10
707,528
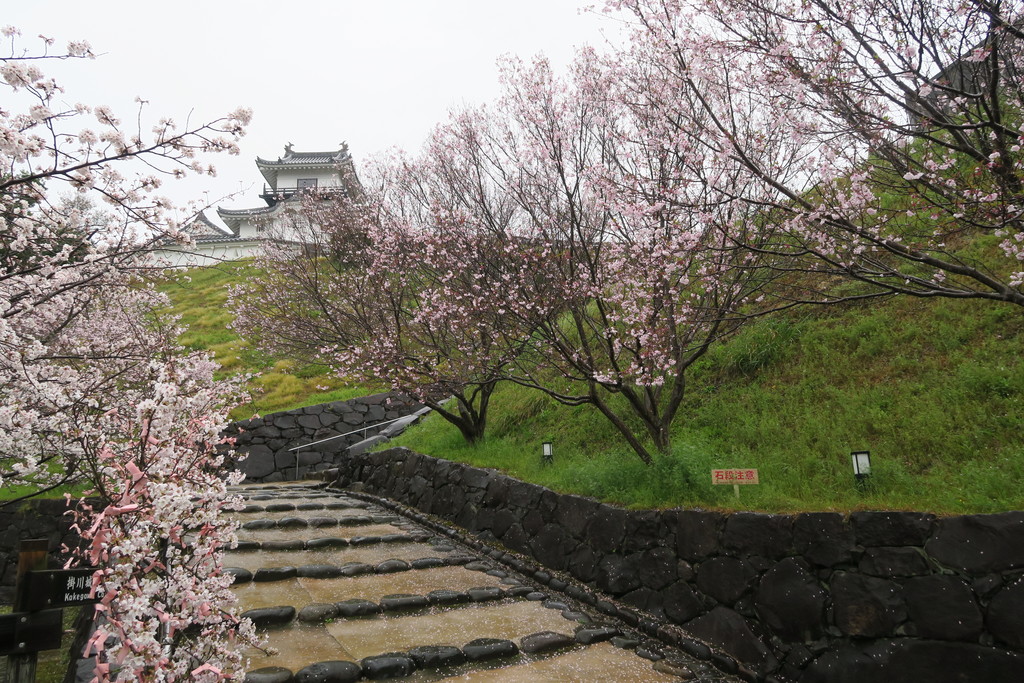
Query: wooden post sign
x,y
734,477
36,623
59,588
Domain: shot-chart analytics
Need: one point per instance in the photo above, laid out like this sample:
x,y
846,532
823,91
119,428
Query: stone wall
x,y
814,597
27,520
267,440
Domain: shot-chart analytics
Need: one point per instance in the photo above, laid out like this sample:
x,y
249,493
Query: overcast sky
x,y
375,74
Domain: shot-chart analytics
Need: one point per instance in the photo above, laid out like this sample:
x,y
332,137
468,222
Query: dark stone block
x,y
979,544
259,524
391,665
268,674
391,566
283,545
317,612
607,529
725,579
353,418
645,599
270,616
314,457
489,648
427,563
485,593
292,523
1006,615
280,507
285,421
823,538
674,666
644,529
310,422
790,602
502,522
533,522
329,672
679,602
891,528
356,608
728,630
356,569
238,574
274,574
755,533
659,568
401,601
618,574
436,656
258,463
283,459
266,432
322,522
892,562
583,563
328,419
575,513
319,571
866,607
544,641
943,608
315,543
364,540
552,545
447,597
910,660
589,635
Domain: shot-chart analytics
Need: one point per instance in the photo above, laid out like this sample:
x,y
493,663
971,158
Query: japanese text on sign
x,y
734,477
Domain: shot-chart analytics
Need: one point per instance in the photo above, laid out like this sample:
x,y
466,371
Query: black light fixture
x,y
547,454
861,466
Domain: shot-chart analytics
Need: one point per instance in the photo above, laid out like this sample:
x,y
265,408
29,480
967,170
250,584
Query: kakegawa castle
x,y
286,179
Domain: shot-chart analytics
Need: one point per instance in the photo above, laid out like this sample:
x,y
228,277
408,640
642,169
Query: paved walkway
x,y
345,590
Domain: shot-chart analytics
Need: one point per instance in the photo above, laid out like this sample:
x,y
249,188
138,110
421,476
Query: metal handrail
x,y
362,429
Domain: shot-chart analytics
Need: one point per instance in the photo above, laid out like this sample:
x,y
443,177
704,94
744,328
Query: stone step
x,y
344,590
372,553
302,591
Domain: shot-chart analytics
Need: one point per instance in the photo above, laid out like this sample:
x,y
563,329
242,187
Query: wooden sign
x,y
735,477
59,588
29,632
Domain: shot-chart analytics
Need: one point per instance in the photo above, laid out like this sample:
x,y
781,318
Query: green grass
x,y
934,389
199,297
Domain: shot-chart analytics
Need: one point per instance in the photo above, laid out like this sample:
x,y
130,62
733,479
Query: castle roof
x,y
233,217
293,160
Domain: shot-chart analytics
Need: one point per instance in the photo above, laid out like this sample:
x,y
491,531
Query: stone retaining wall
x,y
813,597
267,439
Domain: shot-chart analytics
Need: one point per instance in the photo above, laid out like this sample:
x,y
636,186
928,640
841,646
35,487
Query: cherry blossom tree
x,y
577,243
630,280
94,389
883,139
367,295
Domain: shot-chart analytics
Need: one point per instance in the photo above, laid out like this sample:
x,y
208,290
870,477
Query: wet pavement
x,y
344,589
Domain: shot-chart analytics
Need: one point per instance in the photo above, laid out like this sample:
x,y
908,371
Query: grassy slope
x,y
199,297
933,389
